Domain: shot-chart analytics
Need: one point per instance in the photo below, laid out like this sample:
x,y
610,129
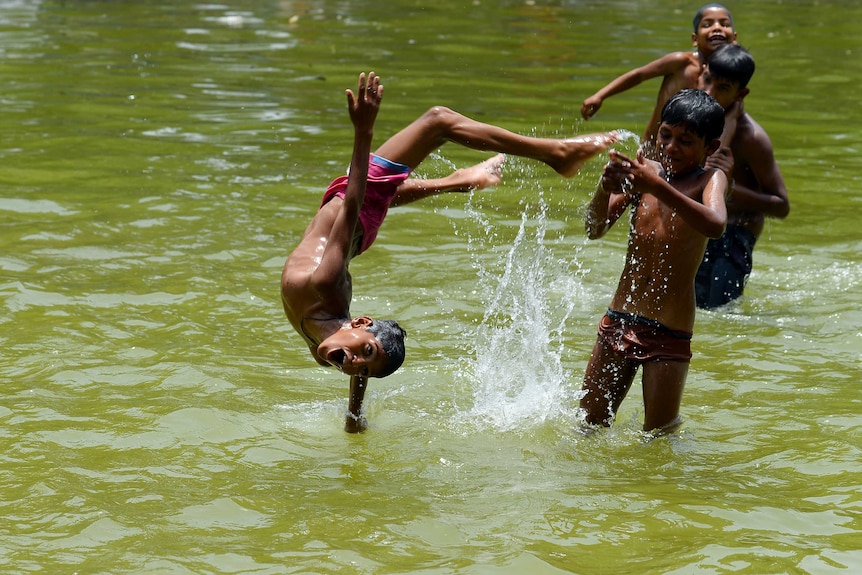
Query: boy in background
x,y
757,186
713,27
676,205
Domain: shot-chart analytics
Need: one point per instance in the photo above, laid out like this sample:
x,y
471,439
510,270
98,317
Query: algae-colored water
x,y
158,415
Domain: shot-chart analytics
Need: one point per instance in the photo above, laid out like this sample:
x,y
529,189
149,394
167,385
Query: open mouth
x,y
337,356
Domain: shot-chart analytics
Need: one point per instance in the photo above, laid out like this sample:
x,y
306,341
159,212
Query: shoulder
x,y
681,57
750,138
670,64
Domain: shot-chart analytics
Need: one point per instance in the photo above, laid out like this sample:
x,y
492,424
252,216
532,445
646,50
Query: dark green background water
x,y
158,161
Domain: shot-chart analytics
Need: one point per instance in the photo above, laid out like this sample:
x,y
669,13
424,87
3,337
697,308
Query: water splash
x,y
516,373
628,143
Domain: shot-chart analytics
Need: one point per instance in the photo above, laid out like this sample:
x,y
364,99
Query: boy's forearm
x,y
745,199
699,216
354,195
596,222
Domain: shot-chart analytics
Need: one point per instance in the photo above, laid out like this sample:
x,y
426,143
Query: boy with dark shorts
x,y
316,286
676,205
757,186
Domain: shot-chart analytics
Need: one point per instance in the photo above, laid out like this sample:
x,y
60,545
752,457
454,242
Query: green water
x,y
158,160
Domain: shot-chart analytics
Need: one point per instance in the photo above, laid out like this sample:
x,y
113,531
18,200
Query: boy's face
x,y
724,91
681,150
354,350
715,29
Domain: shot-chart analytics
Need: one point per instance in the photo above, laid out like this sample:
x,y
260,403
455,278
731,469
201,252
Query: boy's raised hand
x,y
364,105
631,173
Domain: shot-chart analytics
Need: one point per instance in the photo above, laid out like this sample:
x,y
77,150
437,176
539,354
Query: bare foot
x,y
484,175
577,150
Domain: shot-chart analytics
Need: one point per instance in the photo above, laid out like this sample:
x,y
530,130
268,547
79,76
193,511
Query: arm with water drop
x,y
612,197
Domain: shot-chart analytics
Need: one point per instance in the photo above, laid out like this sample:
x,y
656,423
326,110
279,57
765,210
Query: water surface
x,y
159,160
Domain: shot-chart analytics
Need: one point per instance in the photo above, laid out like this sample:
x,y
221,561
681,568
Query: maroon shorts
x,y
638,338
384,177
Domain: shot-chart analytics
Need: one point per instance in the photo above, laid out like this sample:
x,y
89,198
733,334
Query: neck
x,y
680,177
318,328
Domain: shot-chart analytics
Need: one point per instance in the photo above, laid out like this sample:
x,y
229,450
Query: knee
x,y
441,116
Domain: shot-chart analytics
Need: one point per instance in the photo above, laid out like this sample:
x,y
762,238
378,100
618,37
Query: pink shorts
x,y
384,177
641,339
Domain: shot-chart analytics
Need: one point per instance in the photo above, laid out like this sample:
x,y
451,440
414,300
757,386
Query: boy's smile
x,y
715,29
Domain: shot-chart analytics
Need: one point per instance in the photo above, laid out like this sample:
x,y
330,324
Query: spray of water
x,y
516,372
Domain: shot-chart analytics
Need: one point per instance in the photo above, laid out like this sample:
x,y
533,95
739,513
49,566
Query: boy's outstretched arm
x,y
363,107
664,66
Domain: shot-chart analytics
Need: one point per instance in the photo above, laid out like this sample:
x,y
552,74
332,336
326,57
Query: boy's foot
x,y
484,175
577,150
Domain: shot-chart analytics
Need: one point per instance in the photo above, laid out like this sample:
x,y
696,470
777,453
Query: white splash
x,y
516,373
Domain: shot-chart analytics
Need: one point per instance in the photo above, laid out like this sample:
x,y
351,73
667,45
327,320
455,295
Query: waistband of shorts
x,y
389,164
645,321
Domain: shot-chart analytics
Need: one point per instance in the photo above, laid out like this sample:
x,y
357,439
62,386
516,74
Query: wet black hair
x,y
697,110
699,16
732,62
391,338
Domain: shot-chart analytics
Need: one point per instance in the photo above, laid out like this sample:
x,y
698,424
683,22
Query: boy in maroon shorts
x,y
677,205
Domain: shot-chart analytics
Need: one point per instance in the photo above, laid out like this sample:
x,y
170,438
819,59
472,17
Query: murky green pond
x,y
158,160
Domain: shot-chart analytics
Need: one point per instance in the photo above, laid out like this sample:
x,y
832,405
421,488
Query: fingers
x,y
368,91
369,88
620,158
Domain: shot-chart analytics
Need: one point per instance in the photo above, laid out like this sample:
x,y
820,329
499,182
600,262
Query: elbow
x,y
716,230
783,210
594,230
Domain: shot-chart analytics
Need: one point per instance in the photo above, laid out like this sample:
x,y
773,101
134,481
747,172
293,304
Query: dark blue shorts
x,y
725,268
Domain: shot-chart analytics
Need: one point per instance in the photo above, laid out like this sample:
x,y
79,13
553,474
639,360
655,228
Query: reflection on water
x,y
159,416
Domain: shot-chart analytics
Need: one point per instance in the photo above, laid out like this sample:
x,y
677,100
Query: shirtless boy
x,y
713,27
757,186
316,287
676,206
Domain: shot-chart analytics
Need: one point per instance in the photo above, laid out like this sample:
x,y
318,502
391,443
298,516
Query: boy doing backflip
x,y
316,288
713,27
757,189
676,205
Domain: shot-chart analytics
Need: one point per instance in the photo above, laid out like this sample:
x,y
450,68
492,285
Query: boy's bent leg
x,y
607,380
440,125
663,383
478,177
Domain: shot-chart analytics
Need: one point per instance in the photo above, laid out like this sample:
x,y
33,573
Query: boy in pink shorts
x,y
316,285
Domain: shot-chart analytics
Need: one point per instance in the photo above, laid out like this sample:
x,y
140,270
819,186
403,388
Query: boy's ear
x,y
742,94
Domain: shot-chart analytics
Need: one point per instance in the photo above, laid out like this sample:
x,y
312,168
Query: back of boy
x,y
713,27
676,206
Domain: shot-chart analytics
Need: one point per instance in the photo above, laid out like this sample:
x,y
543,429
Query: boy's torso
x,y
662,259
